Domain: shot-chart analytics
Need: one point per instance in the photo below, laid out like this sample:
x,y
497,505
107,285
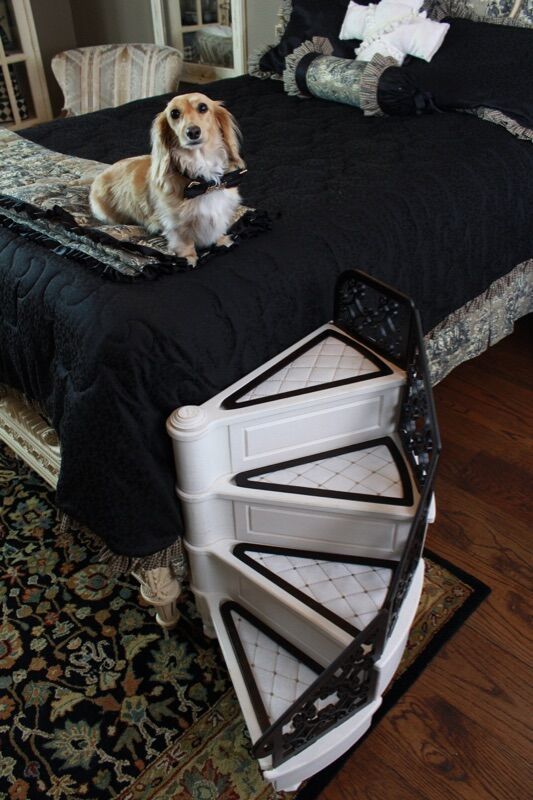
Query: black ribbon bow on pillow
x,y
199,186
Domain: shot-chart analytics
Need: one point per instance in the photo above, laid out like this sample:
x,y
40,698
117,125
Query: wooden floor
x,y
464,728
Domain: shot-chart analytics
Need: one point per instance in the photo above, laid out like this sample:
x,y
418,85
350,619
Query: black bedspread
x,y
439,206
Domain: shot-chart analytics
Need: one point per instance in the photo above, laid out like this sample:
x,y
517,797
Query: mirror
x,y
207,32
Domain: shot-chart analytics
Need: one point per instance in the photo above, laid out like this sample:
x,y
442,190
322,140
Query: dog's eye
x,y
174,113
202,108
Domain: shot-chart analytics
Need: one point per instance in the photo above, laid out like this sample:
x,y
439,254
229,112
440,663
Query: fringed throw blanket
x,y
45,196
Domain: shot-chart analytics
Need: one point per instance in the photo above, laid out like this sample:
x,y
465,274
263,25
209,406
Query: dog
x,y
195,141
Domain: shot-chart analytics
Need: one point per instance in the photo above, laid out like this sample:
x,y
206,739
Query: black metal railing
x,y
388,322
417,425
343,688
375,314
404,572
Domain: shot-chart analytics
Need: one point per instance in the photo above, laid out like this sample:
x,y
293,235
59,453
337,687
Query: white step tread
x,y
368,471
280,676
327,361
328,358
353,592
374,471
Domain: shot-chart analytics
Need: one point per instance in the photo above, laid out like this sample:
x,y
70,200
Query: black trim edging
x,y
246,671
243,479
240,551
232,401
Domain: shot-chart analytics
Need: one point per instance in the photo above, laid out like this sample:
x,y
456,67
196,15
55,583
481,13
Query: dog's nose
x,y
193,132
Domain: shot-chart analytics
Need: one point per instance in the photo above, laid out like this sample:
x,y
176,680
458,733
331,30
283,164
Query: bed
x,y
439,207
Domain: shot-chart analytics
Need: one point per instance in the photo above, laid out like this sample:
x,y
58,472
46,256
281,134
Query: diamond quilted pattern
x,y
355,592
329,360
279,676
369,471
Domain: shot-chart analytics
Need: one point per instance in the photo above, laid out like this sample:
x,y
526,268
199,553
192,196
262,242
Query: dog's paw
x,y
189,254
225,241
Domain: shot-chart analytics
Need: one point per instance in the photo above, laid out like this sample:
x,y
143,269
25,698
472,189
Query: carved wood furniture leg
x,y
29,435
161,587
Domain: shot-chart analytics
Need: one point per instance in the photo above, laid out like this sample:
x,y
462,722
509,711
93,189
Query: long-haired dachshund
x,y
180,189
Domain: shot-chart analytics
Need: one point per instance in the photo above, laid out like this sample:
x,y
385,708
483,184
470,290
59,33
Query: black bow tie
x,y
199,186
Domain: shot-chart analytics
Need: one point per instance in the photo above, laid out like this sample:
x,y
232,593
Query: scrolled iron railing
x,y
389,323
344,687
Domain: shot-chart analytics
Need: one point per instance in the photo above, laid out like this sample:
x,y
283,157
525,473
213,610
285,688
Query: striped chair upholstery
x,y
105,76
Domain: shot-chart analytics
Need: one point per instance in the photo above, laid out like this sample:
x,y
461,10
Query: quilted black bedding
x,y
438,206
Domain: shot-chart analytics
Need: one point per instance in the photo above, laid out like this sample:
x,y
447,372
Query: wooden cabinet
x,y
24,99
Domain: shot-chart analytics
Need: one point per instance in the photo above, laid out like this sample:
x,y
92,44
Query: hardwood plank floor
x,y
464,730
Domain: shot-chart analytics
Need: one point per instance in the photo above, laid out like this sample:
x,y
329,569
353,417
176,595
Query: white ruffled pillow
x,y
393,29
386,13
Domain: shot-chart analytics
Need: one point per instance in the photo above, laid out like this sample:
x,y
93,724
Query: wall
x,y
55,31
261,19
64,24
112,21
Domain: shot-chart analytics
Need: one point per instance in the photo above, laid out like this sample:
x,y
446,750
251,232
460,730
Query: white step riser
x,y
288,776
297,630
213,602
282,524
317,637
255,439
394,649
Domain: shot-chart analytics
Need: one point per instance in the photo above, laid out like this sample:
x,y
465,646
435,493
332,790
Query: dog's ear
x,y
162,142
230,133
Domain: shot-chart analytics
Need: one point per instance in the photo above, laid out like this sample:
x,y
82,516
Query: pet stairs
x,y
307,488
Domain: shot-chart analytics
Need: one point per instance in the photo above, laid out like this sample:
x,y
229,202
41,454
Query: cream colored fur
x,y
148,190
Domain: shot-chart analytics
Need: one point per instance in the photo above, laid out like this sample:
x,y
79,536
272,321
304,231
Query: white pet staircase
x,y
306,489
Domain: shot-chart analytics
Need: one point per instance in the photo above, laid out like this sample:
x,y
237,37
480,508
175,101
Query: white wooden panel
x,y
322,531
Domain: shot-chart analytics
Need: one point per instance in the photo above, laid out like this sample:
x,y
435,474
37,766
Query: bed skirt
x,y
480,323
463,335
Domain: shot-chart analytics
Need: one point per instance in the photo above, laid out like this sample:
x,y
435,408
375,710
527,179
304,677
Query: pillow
x,y
309,19
481,68
498,12
480,65
309,72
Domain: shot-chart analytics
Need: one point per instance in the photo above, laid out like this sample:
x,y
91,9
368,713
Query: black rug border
x,y
481,591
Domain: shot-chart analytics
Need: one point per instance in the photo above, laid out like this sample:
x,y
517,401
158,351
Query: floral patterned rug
x,y
96,701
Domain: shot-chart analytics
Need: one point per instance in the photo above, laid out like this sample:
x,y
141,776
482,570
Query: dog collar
x,y
199,186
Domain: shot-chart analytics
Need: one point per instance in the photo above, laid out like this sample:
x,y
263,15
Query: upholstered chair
x,y
105,76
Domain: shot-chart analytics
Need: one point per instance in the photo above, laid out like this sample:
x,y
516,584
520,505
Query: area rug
x,y
97,702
